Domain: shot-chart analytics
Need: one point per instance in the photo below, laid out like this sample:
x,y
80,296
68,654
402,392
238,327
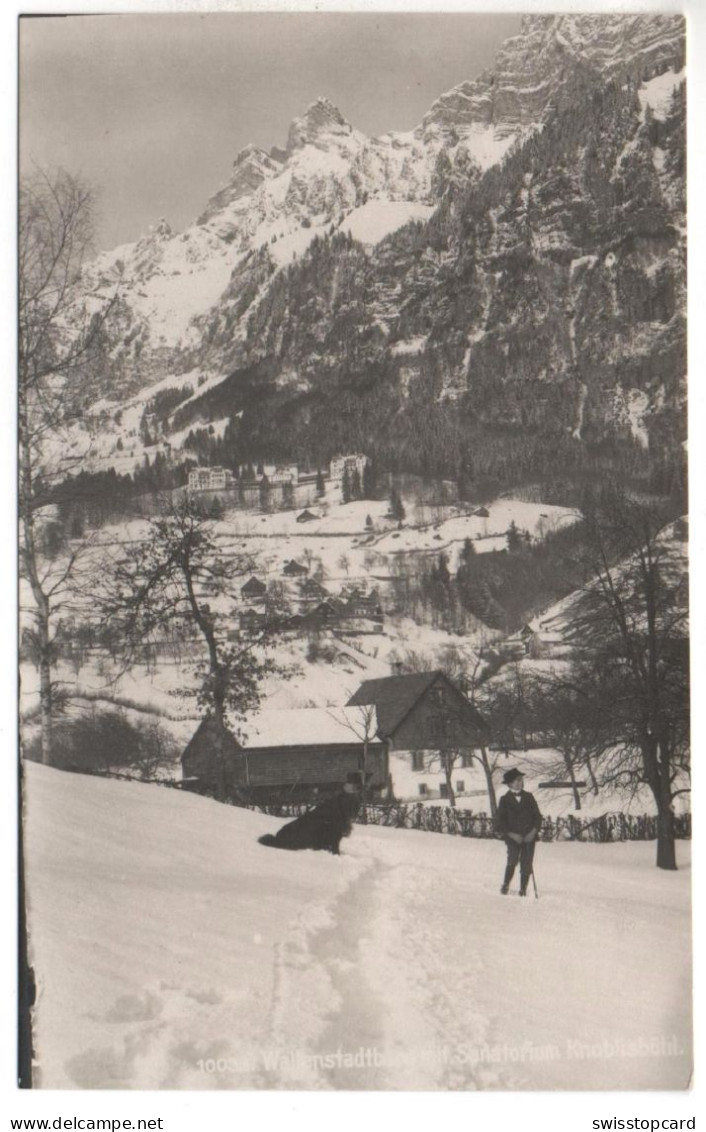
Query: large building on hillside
x,y
355,462
211,479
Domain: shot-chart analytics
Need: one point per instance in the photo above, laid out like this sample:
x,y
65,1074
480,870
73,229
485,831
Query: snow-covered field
x,y
173,951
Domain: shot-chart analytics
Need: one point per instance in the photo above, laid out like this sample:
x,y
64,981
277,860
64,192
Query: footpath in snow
x,y
173,951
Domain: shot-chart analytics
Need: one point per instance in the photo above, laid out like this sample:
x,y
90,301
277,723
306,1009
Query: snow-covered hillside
x,y
172,950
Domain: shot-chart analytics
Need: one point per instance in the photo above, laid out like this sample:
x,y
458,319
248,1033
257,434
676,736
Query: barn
x,y
295,755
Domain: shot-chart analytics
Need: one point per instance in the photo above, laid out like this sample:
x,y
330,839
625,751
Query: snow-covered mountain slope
x,y
171,950
176,289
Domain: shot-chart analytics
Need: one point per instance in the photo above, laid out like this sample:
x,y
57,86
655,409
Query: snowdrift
x,y
173,951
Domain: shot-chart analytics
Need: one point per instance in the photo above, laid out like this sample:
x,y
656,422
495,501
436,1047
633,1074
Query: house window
x,y
417,760
441,729
422,788
443,790
460,786
466,758
437,695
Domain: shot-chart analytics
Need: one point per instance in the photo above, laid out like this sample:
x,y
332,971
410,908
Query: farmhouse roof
x,y
254,585
211,734
304,727
395,696
313,587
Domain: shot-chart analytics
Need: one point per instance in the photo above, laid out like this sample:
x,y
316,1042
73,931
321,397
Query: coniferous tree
x,y
369,479
346,492
514,538
397,509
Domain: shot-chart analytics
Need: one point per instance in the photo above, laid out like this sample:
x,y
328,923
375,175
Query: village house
x,y
420,714
326,615
362,605
312,591
297,755
251,620
295,569
253,589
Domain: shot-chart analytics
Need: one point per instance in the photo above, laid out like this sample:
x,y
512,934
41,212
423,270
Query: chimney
x,y
397,668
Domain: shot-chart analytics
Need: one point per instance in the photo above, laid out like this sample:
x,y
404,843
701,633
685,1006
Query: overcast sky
x,y
152,109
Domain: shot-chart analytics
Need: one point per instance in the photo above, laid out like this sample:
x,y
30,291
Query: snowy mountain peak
x,y
321,122
251,167
192,293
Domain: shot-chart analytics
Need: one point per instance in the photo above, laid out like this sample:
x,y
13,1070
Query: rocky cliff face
x,y
532,67
543,298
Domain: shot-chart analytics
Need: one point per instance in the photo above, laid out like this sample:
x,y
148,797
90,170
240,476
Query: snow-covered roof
x,y
299,727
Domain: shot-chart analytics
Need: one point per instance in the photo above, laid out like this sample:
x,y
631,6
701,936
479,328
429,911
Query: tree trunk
x,y
666,847
568,763
46,705
591,774
29,557
492,798
448,762
364,788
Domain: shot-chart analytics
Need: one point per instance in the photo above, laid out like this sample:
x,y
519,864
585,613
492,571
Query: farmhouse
x,y
360,605
292,755
295,569
325,615
253,588
312,591
420,715
251,620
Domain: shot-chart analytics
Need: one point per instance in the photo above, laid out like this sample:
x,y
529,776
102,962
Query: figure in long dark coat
x,y
518,822
325,825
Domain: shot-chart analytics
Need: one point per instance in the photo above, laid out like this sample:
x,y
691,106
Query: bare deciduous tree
x,y
631,673
173,576
56,340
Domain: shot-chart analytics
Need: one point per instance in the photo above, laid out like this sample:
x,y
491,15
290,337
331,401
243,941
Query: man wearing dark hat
x,y
518,821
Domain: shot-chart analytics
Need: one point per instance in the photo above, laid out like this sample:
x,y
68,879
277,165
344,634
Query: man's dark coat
x,y
517,813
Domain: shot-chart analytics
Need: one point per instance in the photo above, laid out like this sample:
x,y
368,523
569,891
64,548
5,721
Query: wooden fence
x,y
467,823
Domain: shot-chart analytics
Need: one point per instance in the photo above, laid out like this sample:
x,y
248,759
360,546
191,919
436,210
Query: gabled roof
x,y
312,586
303,727
395,696
212,734
254,585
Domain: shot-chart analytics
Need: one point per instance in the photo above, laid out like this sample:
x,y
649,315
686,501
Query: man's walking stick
x,y
534,883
